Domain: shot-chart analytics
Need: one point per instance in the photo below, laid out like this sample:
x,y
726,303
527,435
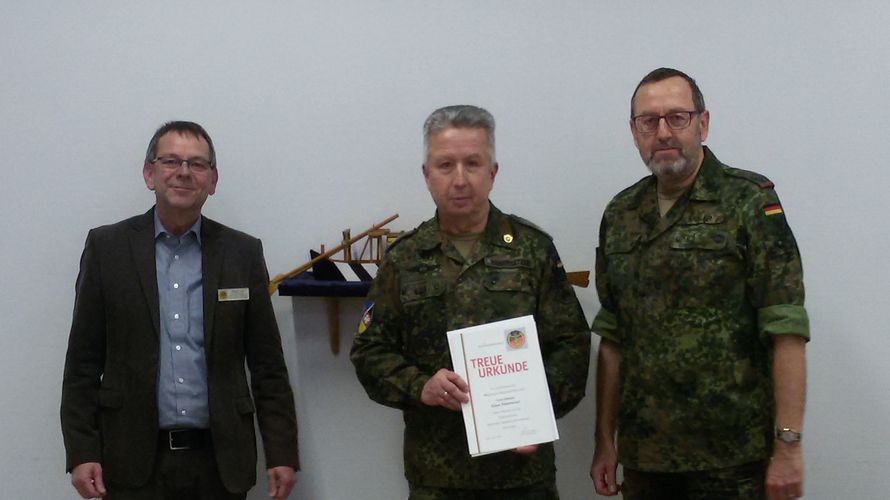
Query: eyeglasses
x,y
197,166
675,120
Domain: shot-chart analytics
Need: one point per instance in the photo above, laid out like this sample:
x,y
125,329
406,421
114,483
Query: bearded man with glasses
x,y
701,364
170,306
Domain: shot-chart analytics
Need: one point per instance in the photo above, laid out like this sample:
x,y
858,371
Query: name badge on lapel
x,y
230,294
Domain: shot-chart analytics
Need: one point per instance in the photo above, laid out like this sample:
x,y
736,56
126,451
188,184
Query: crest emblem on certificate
x,y
515,339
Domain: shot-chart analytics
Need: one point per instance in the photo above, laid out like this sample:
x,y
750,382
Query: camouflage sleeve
x,y
382,367
605,324
565,338
774,270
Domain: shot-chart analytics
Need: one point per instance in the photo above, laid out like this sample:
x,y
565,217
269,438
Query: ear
x,y
494,172
146,175
214,178
705,120
426,175
633,133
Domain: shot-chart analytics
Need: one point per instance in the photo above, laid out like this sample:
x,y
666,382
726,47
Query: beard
x,y
680,167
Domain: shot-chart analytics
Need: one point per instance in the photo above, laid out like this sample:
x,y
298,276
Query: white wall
x,y
316,110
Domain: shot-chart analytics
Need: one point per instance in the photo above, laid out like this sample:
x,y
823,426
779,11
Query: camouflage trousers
x,y
742,482
539,491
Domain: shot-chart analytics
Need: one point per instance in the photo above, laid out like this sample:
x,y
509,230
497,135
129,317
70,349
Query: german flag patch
x,y
772,209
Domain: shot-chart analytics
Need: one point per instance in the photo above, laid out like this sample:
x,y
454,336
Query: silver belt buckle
x,y
170,442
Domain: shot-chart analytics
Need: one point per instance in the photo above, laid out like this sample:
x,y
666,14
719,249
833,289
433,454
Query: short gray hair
x,y
459,116
183,128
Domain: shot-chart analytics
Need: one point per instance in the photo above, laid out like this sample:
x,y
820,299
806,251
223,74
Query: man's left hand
x,y
784,477
281,481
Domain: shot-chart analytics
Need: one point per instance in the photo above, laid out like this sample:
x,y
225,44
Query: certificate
x,y
509,400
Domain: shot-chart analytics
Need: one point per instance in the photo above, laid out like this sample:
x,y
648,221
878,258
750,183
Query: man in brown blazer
x,y
170,304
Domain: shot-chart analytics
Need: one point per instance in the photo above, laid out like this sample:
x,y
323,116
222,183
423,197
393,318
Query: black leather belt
x,y
185,439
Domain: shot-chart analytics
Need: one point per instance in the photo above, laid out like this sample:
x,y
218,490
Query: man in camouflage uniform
x,y
470,264
702,359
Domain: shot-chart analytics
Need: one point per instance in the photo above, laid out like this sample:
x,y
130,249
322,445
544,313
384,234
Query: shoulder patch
x,y
761,180
367,317
772,209
530,224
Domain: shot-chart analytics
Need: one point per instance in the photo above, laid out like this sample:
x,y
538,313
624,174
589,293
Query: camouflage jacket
x,y
423,289
692,299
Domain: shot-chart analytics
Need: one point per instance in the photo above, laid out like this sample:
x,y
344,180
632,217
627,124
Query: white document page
x,y
509,400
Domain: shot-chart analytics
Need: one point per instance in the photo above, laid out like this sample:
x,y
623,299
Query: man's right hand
x,y
446,389
603,471
87,480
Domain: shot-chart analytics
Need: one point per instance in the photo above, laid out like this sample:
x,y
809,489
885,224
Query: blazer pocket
x,y
110,398
244,405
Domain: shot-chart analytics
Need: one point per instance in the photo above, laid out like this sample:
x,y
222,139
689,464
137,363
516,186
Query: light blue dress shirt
x,y
182,364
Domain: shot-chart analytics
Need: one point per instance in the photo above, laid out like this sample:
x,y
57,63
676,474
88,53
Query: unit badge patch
x,y
367,316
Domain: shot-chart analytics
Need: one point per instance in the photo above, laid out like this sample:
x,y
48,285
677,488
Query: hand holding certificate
x,y
509,403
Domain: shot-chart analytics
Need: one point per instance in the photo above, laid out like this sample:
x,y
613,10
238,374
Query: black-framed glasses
x,y
197,165
675,120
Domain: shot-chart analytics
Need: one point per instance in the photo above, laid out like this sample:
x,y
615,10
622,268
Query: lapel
x,y
211,267
142,246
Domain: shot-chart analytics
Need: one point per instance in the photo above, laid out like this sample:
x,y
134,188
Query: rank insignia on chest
x,y
773,209
367,316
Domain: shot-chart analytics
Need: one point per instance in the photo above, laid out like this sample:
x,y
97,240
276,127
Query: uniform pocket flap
x,y
244,405
703,238
621,245
110,398
506,280
419,290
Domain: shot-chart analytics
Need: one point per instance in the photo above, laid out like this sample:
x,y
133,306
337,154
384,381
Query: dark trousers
x,y
742,482
538,491
188,474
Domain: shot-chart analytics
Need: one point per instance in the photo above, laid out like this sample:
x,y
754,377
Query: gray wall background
x,y
316,110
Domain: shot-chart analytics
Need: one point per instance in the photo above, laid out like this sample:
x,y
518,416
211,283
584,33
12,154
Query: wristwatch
x,y
787,435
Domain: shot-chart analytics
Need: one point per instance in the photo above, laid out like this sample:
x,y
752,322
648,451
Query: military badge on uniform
x,y
772,209
367,315
508,238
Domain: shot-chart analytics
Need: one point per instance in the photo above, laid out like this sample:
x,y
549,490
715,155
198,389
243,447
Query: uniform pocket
x,y
620,245
508,280
423,303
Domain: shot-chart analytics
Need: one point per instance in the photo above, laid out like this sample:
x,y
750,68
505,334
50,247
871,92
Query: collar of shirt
x,y
195,229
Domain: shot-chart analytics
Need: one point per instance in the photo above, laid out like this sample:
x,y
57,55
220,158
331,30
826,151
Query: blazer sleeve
x,y
84,363
274,399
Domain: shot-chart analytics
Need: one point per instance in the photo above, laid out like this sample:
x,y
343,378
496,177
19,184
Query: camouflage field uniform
x,y
692,299
423,289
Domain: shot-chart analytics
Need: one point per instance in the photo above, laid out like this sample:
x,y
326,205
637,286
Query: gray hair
x,y
459,116
180,127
